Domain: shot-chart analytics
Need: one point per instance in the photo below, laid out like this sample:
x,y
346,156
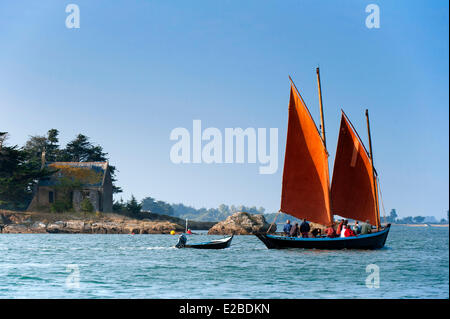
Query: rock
x,y
39,225
241,223
19,222
160,227
16,229
56,227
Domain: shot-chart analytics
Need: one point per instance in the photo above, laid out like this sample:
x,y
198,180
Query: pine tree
x,y
133,206
18,176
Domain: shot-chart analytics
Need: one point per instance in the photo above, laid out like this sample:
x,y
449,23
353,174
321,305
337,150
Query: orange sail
x,y
353,189
305,192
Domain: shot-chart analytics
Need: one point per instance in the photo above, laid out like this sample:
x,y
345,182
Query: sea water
x,y
413,264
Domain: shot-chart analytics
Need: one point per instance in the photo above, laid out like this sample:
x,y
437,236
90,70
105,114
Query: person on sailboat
x,y
349,232
356,228
330,232
366,228
316,232
287,228
344,227
305,228
294,231
339,228
189,232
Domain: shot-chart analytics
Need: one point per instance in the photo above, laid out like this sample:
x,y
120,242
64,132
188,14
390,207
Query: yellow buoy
x,y
172,232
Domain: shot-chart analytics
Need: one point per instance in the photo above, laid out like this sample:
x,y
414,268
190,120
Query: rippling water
x,y
414,264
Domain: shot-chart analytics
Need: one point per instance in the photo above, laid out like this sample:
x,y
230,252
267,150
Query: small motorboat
x,y
213,244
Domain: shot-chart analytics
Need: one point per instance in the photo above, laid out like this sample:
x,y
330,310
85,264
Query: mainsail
x,y
353,188
305,192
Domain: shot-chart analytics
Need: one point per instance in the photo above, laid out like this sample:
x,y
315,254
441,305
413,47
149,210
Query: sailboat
x,y
306,191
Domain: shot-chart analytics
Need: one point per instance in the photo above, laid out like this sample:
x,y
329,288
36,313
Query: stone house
x,y
91,180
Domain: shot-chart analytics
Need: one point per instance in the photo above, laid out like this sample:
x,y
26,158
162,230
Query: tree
x,y
18,176
419,219
157,207
392,216
133,206
81,150
3,136
86,206
119,206
52,149
407,220
37,144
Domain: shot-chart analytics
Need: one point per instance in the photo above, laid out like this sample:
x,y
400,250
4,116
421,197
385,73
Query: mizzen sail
x,y
305,191
353,188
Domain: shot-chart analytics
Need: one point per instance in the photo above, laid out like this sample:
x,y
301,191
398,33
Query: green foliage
x,y
119,206
392,216
37,144
18,175
406,220
202,214
86,206
157,207
133,206
419,219
65,186
61,206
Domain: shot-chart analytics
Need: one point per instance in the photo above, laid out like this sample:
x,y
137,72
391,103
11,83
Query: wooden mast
x,y
322,121
377,215
324,139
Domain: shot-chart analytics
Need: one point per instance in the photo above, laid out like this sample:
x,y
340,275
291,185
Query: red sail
x,y
352,187
305,192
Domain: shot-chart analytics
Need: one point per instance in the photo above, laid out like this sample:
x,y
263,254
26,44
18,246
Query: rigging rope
x,y
274,221
381,199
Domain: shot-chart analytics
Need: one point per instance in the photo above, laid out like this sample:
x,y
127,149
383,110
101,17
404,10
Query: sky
x,y
135,70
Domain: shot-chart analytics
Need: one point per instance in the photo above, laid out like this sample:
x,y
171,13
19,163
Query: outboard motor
x,y
181,241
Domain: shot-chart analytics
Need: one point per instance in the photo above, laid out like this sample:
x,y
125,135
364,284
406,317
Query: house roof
x,y
88,174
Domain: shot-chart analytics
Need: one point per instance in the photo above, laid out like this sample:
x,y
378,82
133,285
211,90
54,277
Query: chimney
x,y
43,159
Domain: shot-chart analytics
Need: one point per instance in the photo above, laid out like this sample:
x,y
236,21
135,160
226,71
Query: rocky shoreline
x,y
12,222
66,223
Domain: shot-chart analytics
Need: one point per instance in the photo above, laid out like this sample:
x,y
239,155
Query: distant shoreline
x,y
422,225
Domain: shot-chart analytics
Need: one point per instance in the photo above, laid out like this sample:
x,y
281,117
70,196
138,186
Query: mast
x,y
377,218
324,139
322,121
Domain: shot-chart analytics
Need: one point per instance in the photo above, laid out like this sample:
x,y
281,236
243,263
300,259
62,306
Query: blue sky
x,y
135,70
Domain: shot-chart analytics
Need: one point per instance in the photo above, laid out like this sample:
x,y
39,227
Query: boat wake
x,y
161,248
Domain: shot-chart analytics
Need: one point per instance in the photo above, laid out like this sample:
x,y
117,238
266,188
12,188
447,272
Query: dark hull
x,y
370,241
211,244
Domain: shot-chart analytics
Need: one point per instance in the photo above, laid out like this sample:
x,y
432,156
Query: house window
x,y
51,197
